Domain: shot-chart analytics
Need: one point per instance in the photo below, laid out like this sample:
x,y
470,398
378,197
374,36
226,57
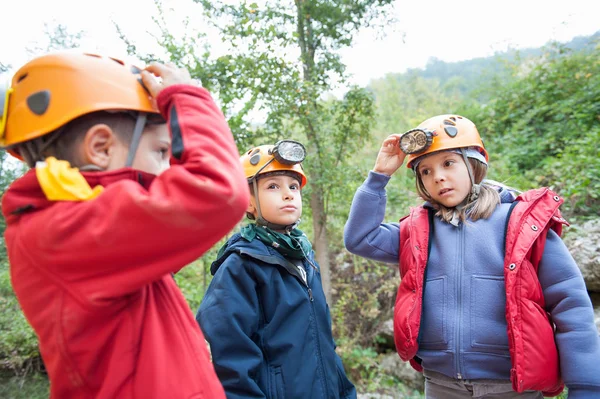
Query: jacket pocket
x,y
433,334
488,313
277,385
346,388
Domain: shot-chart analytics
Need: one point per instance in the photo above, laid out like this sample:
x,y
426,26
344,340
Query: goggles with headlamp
x,y
416,141
286,152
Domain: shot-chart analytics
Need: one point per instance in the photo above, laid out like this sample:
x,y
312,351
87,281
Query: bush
x,y
18,348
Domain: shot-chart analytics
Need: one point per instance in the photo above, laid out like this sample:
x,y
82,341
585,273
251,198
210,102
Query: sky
x,y
447,30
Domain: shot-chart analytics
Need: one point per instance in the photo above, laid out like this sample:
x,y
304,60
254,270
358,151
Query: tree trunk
x,y
321,241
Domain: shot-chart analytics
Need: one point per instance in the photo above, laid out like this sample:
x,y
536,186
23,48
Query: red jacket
x,y
535,362
94,277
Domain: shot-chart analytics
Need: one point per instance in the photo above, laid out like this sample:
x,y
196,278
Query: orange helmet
x,y
449,131
255,160
52,90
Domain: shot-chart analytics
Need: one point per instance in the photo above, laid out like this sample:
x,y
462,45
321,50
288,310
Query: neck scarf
x,y
293,245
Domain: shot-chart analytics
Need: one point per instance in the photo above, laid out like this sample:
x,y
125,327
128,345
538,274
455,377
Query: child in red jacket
x,y
131,180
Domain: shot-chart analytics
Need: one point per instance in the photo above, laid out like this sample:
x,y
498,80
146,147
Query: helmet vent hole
x,y
117,61
255,159
22,77
38,102
450,122
135,70
451,131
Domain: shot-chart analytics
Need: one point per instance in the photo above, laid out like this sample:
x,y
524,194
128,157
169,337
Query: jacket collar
x,y
25,193
256,250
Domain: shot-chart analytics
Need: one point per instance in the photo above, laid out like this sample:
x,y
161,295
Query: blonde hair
x,y
481,208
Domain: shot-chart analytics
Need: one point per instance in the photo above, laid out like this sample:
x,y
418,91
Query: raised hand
x,y
390,156
169,75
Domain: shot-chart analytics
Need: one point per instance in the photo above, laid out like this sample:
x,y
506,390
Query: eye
x,y
424,172
294,186
272,186
448,162
164,152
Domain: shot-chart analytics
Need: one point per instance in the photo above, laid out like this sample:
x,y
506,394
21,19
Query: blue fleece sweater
x,y
463,328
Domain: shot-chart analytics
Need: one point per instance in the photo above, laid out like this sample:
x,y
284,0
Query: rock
x,y
392,364
385,337
584,244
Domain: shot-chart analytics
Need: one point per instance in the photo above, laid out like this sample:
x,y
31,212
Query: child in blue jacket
x,y
264,313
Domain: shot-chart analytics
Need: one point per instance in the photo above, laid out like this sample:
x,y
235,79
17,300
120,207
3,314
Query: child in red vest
x,y
490,303
131,180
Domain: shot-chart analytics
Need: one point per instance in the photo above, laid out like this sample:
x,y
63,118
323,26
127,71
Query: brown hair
x,y
481,208
62,142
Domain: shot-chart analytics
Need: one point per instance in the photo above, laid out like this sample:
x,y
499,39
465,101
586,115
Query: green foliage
x,y
34,386
544,126
363,367
18,347
193,280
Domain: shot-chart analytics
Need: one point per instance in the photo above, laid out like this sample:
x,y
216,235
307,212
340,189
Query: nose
x,y
438,176
288,194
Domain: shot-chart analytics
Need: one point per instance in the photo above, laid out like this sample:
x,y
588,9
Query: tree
x,y
282,60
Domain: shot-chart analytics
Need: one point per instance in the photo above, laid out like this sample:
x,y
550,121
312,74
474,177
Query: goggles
x,y
416,141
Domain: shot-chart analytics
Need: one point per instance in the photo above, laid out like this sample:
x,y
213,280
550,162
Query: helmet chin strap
x,y
140,123
261,221
475,188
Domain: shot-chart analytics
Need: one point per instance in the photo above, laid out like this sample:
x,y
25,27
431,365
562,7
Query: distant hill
x,y
469,73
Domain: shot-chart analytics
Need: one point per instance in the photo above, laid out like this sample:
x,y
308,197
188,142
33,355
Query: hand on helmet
x,y
170,75
390,156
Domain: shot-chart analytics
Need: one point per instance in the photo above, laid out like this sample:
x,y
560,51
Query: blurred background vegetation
x,y
538,111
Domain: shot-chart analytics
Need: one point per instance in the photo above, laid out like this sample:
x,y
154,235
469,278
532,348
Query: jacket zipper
x,y
459,307
319,354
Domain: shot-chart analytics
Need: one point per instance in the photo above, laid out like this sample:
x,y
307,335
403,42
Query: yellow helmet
x,y
52,90
265,159
448,132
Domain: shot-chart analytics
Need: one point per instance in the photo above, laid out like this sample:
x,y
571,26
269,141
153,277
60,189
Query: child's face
x,y
280,199
446,178
152,155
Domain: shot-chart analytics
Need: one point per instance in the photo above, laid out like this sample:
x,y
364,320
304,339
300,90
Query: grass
x,y
32,386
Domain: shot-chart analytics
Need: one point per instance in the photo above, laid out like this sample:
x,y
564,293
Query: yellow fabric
x,y
61,182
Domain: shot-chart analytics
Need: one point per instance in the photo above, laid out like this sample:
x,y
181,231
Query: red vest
x,y
535,362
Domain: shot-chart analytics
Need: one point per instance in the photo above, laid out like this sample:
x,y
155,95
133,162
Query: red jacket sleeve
x,y
129,236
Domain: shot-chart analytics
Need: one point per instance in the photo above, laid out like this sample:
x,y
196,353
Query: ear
x,y
98,145
252,207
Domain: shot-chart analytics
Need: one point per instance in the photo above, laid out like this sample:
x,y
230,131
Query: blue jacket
x,y
269,330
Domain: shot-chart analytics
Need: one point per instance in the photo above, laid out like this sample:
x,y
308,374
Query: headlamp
x,y
416,140
288,152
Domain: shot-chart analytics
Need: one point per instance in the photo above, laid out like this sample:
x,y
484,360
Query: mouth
x,y
289,208
444,191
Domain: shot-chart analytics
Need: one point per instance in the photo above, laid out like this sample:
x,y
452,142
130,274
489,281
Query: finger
x,y
151,83
157,68
390,141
